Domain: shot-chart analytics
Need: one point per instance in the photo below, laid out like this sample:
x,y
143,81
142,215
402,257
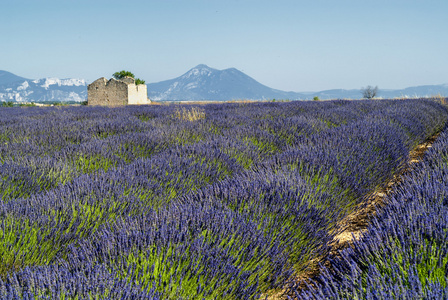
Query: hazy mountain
x,y
9,78
19,89
410,92
417,91
205,83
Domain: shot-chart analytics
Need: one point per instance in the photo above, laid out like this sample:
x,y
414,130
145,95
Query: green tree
x,y
122,74
8,104
139,81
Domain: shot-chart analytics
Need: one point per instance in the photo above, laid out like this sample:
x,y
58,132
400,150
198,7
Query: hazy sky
x,y
290,45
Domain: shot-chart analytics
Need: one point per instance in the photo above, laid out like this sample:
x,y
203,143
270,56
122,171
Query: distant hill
x,y
417,91
410,92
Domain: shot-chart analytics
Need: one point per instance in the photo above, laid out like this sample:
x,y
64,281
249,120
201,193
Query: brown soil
x,y
355,224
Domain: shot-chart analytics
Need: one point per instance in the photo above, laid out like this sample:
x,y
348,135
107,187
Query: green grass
x,y
86,163
24,244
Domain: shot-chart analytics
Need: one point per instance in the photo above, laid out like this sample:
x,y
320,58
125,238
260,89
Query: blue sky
x,y
289,45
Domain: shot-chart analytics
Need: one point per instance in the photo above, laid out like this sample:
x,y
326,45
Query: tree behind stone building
x,y
122,74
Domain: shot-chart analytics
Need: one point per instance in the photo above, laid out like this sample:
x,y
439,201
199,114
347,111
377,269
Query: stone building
x,y
115,92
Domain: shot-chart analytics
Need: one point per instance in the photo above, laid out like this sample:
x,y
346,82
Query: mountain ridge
x,y
198,83
19,89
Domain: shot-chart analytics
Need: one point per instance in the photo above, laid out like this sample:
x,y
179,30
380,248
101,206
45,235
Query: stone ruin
x,y
115,92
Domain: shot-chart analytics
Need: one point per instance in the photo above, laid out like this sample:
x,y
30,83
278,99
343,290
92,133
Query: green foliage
x,y
122,74
316,98
22,244
8,104
27,104
92,163
280,100
59,104
139,81
85,102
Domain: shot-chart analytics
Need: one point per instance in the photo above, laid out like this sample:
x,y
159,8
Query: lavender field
x,y
139,202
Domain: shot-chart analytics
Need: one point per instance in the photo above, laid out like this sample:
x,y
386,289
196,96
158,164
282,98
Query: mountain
x,y
18,89
205,83
8,78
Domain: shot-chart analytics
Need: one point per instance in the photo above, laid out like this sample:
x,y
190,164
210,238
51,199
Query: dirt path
x,y
355,224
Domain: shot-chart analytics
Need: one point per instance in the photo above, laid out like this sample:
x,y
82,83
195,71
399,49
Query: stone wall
x,y
116,92
96,92
138,94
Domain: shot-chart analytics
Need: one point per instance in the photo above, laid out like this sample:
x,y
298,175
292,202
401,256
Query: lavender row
x,y
404,253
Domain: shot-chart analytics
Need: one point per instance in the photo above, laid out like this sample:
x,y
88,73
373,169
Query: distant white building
x,y
115,92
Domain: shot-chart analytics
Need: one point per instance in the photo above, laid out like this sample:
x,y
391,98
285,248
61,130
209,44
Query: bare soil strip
x,y
355,224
